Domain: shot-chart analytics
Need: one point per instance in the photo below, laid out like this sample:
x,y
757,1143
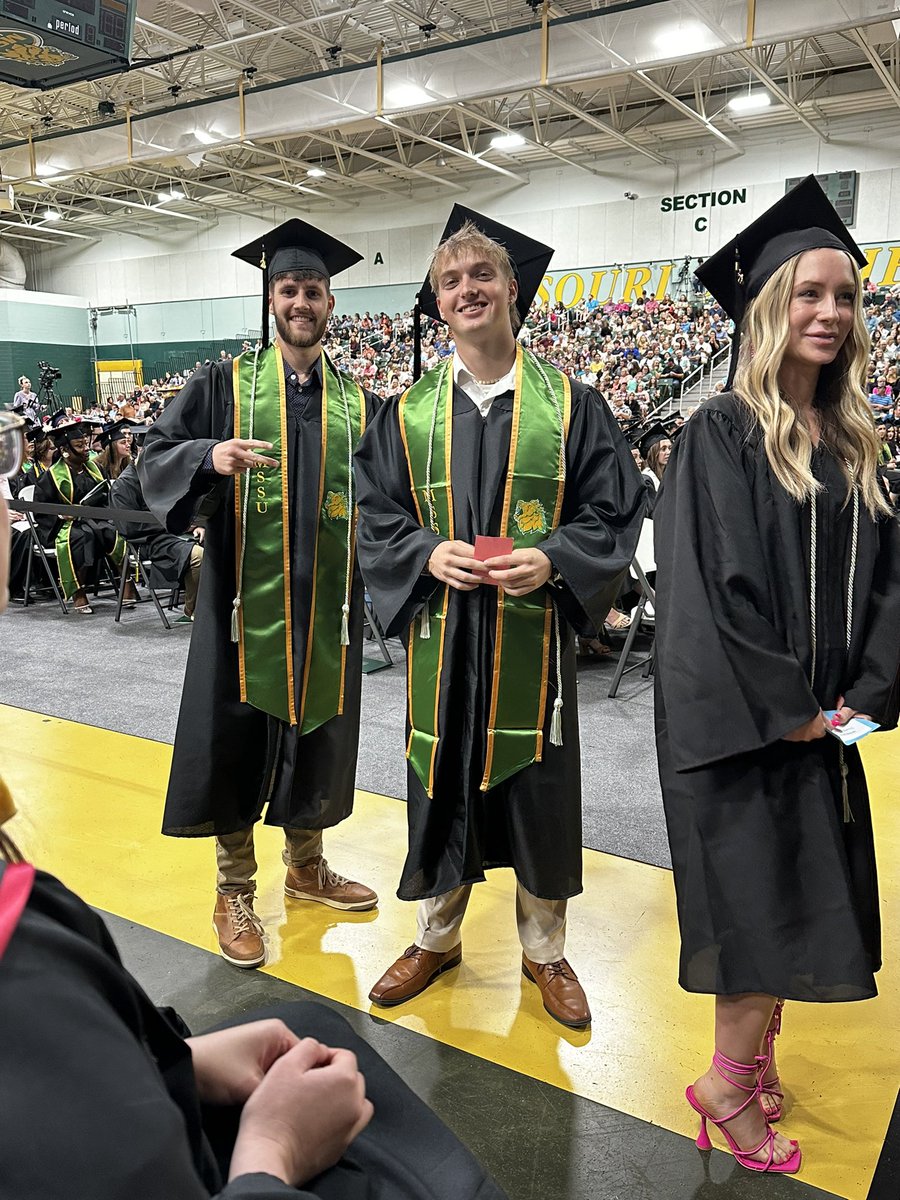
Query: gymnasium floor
x,y
555,1115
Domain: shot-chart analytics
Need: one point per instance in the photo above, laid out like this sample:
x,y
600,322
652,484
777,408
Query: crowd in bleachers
x,y
638,355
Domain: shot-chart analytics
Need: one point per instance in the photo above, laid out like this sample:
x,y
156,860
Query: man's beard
x,y
303,339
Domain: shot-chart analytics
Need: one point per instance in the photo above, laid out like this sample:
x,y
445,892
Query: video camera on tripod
x,y
47,376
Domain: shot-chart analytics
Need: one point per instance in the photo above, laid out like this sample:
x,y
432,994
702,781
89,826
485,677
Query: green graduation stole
x,y
261,618
62,477
532,502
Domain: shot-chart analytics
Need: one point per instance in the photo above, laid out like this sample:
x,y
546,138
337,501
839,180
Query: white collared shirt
x,y
481,394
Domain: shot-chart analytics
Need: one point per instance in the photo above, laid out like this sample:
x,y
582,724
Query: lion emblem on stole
x,y
336,507
530,517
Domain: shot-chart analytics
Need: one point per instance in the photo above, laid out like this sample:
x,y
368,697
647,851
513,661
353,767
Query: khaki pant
x,y
541,923
191,580
236,860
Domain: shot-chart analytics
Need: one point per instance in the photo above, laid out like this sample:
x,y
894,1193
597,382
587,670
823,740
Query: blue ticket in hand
x,y
854,731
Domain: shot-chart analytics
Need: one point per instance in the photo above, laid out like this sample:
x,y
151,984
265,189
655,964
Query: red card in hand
x,y
492,547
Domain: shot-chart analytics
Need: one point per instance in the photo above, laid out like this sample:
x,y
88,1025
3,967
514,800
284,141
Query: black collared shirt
x,y
297,394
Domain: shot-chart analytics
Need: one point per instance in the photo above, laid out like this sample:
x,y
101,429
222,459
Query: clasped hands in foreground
x,y
274,1074
518,573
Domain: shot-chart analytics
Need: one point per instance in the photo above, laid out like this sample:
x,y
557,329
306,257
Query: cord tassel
x,y
235,623
556,723
345,626
425,624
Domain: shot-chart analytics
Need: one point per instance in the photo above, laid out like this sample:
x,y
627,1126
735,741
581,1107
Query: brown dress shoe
x,y
563,995
239,930
316,881
412,973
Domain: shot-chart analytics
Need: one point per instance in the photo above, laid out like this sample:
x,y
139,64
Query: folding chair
x,y
135,562
46,557
644,564
371,629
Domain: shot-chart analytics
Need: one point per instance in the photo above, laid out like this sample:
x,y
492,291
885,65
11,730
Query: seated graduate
x,y
103,1095
39,452
116,447
175,559
12,447
81,545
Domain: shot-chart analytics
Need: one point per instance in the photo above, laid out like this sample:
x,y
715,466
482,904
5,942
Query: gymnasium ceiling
x,y
390,99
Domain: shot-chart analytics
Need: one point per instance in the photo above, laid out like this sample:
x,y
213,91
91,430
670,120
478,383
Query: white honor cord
x,y
556,738
236,603
345,608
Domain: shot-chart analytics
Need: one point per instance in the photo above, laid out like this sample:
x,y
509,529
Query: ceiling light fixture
x,y
750,102
52,215
507,141
316,173
173,195
407,95
687,37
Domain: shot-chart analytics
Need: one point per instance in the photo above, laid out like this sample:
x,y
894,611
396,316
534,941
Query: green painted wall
x,y
167,336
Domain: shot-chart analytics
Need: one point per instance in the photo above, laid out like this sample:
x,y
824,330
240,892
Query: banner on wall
x,y
628,281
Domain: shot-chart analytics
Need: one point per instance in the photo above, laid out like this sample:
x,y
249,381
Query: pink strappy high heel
x,y
745,1157
773,1087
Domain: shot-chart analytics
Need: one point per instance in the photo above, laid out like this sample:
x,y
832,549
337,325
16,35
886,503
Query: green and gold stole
x,y
532,502
262,607
62,477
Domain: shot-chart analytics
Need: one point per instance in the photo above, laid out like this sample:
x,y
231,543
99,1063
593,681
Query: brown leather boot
x,y
412,973
562,994
239,929
316,881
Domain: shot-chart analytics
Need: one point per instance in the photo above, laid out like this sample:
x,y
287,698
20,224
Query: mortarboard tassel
x,y
425,623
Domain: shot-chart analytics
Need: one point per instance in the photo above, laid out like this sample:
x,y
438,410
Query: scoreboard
x,y
840,188
45,43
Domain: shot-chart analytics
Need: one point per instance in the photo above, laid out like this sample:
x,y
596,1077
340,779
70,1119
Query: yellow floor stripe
x,y
90,805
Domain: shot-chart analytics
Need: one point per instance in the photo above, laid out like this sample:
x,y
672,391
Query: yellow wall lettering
x,y
560,292
890,271
635,282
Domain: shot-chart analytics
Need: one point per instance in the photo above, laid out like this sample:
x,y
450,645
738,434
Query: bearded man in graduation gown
x,y
269,725
493,442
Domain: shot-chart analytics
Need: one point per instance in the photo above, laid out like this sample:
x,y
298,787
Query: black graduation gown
x,y
90,540
532,821
99,1100
230,758
169,554
776,894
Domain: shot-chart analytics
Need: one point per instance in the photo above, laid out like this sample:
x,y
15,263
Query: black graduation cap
x,y
63,428
33,431
295,246
644,435
529,260
114,431
803,219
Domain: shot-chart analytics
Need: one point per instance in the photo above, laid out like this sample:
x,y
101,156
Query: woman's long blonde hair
x,y
846,419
